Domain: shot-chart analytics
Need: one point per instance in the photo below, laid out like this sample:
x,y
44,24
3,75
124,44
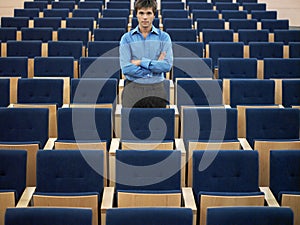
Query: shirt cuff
x,y
145,63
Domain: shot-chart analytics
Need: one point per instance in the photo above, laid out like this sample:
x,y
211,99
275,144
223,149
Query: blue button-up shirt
x,y
133,46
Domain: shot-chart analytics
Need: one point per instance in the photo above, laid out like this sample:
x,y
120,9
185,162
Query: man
x,y
145,56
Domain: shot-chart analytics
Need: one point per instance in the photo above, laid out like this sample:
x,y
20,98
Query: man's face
x,y
145,17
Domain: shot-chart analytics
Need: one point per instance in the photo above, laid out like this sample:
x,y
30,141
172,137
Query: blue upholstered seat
x,y
14,66
81,22
261,50
86,13
17,22
220,6
47,216
211,23
205,14
238,24
31,13
172,5
43,34
181,34
52,22
231,68
262,14
274,24
254,6
217,35
5,92
250,35
199,6
118,5
28,49
62,13
187,49
103,49
249,216
74,34
174,13
290,93
108,34
63,5
116,13
170,23
234,14
294,49
65,48
90,5
281,68
8,33
41,5
286,36
113,22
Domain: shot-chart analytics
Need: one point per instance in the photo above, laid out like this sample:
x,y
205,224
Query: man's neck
x,y
145,31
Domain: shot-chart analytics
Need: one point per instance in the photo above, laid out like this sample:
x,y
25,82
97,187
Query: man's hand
x,y
162,56
136,62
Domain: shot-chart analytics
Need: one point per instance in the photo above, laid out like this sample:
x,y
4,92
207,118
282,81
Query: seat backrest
x,y
5,92
54,66
40,91
148,216
81,22
17,22
199,93
65,48
103,48
41,5
284,167
94,91
211,23
13,170
172,5
86,13
294,49
73,34
230,68
252,92
113,22
272,123
274,24
151,124
281,68
78,171
24,125
290,92
108,34
287,36
237,24
115,13
84,124
53,216
31,13
177,23
63,5
148,170
217,35
53,22
28,49
262,14
174,13
228,5
199,6
240,175
62,13
90,5
43,34
118,5
250,7
8,33
187,49
250,216
234,14
250,35
261,50
209,124
100,67
188,67
14,66
182,34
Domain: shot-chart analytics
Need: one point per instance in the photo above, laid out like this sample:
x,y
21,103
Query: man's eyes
x,y
148,13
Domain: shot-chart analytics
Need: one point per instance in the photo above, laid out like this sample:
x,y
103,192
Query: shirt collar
x,y
154,30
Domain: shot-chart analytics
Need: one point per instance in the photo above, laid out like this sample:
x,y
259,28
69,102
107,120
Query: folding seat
x,y
100,67
80,184
268,129
250,215
62,13
53,216
250,35
13,178
247,1
202,23
108,34
244,24
86,13
261,15
180,34
205,14
148,216
115,13
220,6
281,68
290,93
87,22
294,50
173,13
14,67
5,92
103,48
31,13
17,22
221,1
187,49
134,22
63,5
84,128
274,24
225,50
192,68
7,33
225,178
113,22
198,93
90,5
216,35
286,36
169,23
248,93
25,129
147,179
283,184
234,14
41,5
74,34
43,34
94,92
254,7
171,5
232,68
66,48
118,5
53,22
199,6
29,49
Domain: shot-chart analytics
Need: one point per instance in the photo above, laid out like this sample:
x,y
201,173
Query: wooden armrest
x,y
107,200
269,197
245,144
189,202
26,197
50,144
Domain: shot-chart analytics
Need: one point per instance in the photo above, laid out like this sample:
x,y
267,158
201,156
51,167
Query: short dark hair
x,y
145,4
